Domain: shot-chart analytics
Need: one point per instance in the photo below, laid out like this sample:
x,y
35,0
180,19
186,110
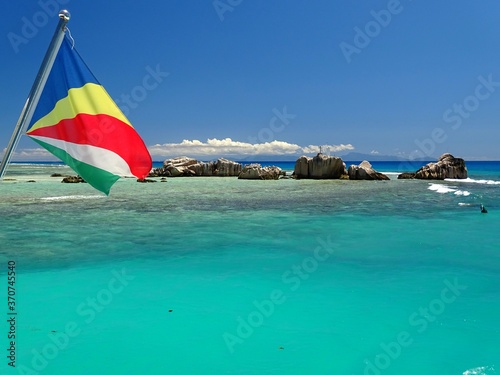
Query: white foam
x,y
441,189
72,197
482,370
473,181
466,204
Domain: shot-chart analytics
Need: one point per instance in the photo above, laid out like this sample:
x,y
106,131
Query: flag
x,y
77,121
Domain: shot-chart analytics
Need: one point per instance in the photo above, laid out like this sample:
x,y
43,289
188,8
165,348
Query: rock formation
x,y
319,167
184,166
447,166
257,172
364,171
406,176
73,180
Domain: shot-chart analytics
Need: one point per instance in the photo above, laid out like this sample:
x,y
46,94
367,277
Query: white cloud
x,y
30,154
210,148
36,152
219,147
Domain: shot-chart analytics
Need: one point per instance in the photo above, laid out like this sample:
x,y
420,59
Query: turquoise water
x,y
224,276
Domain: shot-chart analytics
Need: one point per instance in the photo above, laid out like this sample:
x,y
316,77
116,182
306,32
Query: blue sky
x,y
277,79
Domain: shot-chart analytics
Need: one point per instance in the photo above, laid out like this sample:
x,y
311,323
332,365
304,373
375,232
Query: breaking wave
x,y
443,189
482,370
474,181
71,198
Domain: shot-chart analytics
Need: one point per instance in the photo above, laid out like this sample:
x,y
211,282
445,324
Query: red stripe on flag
x,y
106,132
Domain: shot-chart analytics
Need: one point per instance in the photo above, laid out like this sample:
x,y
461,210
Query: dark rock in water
x,y
257,172
406,176
163,179
483,209
59,175
319,167
145,180
31,181
73,180
364,171
184,166
447,166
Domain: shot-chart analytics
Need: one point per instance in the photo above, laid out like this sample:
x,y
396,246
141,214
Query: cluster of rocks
x,y
331,167
447,166
184,166
319,167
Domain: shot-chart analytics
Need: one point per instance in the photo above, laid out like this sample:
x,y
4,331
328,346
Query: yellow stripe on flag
x,y
91,99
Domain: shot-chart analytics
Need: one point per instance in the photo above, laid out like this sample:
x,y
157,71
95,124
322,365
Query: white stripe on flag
x,y
92,155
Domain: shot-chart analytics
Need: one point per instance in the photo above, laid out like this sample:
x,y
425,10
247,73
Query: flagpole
x,y
36,89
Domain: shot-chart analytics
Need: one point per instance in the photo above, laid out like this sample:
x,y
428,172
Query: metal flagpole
x,y
36,89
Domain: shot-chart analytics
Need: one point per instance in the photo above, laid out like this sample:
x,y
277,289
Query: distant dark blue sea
x,y
226,276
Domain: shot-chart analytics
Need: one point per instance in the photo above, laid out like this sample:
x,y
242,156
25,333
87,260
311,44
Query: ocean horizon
x,y
213,275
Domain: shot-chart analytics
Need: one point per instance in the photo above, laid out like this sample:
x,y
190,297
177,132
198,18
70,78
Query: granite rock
x,y
73,180
184,166
257,172
319,167
365,171
447,166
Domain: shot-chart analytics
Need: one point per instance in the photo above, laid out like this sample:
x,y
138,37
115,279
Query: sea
x,y
215,275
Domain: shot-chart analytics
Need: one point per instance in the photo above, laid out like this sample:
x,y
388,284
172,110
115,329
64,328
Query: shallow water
x,y
224,276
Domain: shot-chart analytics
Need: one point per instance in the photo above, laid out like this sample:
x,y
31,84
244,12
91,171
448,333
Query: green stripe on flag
x,y
98,178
